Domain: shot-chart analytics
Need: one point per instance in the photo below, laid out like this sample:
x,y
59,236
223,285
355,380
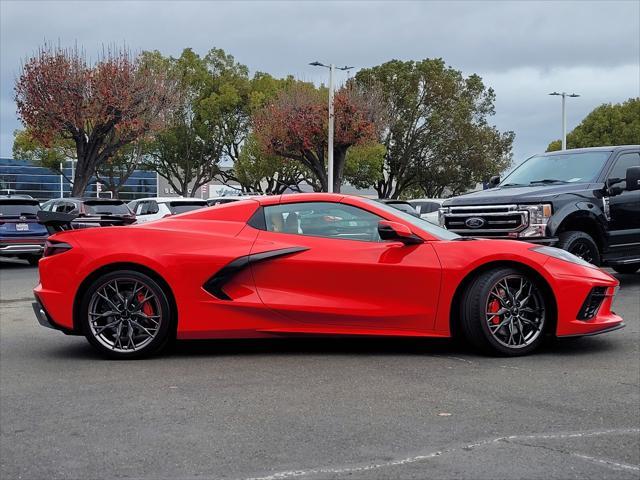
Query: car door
x,y
624,209
335,274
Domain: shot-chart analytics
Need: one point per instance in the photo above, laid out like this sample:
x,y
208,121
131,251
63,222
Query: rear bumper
x,y
22,246
46,320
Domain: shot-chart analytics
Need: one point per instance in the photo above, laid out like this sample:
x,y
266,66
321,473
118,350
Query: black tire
x,y
475,321
629,268
131,315
33,260
581,245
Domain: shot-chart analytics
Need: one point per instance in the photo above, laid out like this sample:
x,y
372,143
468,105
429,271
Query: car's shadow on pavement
x,y
14,264
351,346
627,279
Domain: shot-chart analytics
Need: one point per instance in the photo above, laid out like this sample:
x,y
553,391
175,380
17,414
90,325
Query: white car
x,y
428,208
155,208
228,199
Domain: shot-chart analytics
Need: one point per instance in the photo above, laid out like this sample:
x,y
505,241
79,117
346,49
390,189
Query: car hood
x,y
504,195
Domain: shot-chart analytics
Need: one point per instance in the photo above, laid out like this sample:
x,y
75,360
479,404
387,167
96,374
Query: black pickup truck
x,y
586,201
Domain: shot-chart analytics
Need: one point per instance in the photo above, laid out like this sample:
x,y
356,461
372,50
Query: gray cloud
x,y
522,49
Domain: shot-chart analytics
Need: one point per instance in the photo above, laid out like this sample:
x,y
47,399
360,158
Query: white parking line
x,y
427,456
608,463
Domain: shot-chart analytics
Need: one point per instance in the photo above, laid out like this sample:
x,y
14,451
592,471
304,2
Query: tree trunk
x,y
339,158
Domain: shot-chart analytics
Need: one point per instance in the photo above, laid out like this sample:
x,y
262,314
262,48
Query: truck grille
x,y
486,220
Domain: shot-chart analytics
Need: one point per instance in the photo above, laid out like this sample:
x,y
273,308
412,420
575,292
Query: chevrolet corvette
x,y
312,264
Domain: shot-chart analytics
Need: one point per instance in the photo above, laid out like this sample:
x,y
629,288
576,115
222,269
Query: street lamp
x,y
331,68
564,115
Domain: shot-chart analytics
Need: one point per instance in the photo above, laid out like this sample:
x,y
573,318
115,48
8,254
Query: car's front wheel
x,y
126,315
504,312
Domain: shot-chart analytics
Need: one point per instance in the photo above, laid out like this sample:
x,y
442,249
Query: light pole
x,y
331,68
564,114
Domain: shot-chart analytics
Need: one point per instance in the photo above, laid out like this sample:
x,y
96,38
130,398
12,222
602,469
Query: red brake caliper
x,y
146,308
494,306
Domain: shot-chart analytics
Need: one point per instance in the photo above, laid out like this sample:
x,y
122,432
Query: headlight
x,y
441,213
562,255
539,216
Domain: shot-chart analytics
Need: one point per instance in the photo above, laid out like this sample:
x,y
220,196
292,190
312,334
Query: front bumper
x,y
572,286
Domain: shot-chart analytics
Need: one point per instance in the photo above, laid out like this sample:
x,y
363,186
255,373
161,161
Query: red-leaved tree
x,y
295,126
100,107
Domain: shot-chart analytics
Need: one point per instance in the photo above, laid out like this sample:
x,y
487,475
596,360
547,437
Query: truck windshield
x,y
556,169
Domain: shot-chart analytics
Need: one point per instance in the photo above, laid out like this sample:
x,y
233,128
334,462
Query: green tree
x,y
608,124
438,134
26,147
203,126
115,171
213,119
258,172
364,164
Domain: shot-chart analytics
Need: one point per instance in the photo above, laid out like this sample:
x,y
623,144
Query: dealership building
x,y
27,178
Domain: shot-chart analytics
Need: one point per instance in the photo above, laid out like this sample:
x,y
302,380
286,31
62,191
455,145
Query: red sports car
x,y
321,264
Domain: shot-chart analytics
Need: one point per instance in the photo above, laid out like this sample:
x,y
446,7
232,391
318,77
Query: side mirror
x,y
494,181
633,178
397,232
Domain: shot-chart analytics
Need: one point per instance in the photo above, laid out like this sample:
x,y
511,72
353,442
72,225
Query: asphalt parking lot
x,y
315,408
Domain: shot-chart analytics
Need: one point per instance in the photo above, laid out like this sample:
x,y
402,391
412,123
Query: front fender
x,y
581,210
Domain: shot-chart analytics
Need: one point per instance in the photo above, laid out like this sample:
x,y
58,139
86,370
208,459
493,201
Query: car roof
x,y
171,199
610,148
297,197
233,197
92,199
18,201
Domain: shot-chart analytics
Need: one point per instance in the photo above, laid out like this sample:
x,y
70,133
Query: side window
x,y
141,208
429,207
623,162
152,207
64,207
323,219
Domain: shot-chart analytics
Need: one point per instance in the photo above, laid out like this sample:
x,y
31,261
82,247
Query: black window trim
x,y
262,221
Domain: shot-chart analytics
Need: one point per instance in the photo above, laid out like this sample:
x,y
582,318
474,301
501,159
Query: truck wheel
x,y
581,245
630,268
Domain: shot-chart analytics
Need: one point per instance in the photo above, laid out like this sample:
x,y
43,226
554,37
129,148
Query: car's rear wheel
x,y
504,312
33,260
629,268
126,315
581,245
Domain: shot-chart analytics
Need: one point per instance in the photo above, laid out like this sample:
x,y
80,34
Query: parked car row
x,y
585,201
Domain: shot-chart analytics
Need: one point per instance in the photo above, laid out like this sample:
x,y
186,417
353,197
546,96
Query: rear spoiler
x,y
59,222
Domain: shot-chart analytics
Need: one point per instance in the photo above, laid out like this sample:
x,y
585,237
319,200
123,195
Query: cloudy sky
x,y
523,49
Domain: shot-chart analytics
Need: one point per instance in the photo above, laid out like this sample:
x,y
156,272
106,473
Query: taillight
x,y
51,247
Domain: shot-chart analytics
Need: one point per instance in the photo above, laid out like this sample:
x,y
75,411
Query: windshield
x,y
107,208
417,222
555,169
182,207
18,209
